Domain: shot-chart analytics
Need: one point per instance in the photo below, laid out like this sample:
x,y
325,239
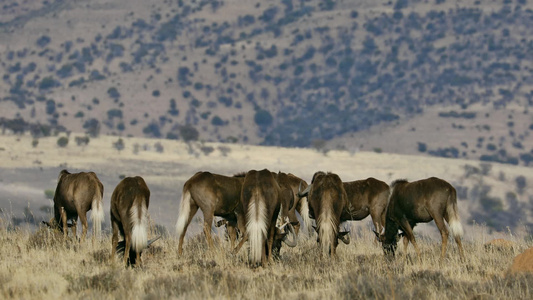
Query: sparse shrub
x,y
119,145
521,184
422,147
34,143
49,194
62,141
152,129
48,83
82,140
263,118
113,93
217,121
43,41
188,133
159,147
207,150
45,238
173,111
224,150
92,127
114,113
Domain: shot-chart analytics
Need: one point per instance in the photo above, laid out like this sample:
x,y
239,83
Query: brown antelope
x,y
421,202
75,195
292,182
366,197
262,199
129,215
215,195
327,199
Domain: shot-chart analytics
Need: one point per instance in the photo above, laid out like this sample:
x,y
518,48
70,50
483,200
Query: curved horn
x,y
294,241
344,236
221,223
153,240
303,193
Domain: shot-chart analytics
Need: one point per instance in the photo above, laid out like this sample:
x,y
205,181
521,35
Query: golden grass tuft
x,y
42,265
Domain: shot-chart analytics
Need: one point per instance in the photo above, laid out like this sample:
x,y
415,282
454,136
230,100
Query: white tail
x,y
453,218
304,213
256,227
97,215
456,228
139,223
327,230
185,210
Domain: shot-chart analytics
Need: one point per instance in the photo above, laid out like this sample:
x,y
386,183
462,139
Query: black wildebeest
x,y
262,198
75,195
129,215
215,195
420,202
368,196
292,182
364,197
327,199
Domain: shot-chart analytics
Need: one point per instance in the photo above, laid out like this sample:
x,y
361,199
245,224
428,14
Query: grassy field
x,y
37,264
42,265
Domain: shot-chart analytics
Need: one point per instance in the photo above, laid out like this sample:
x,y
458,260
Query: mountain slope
x,y
277,73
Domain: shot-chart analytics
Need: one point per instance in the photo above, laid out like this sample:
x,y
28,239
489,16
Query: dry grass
x,y
42,265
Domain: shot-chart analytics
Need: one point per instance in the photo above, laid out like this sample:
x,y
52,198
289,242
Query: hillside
x,y
439,77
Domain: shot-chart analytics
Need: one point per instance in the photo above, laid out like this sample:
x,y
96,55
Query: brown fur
x,y
420,202
292,183
327,197
366,197
130,192
262,189
73,198
215,195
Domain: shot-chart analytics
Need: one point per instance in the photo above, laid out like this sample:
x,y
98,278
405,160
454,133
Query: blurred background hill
x,y
426,77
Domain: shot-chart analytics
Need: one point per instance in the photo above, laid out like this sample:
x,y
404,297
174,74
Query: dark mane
x,y
239,175
395,182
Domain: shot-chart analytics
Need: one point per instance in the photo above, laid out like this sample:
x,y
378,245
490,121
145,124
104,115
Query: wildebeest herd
x,y
261,208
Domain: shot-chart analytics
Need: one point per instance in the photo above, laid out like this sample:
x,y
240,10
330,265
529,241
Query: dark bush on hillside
x,y
82,140
173,111
422,147
48,83
43,41
454,114
50,107
152,129
114,113
113,93
263,118
188,133
227,101
62,141
217,121
92,127
451,152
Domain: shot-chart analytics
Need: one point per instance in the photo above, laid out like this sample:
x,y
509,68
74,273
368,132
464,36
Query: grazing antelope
x,y
364,197
292,182
215,195
262,198
421,202
75,195
129,215
327,199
